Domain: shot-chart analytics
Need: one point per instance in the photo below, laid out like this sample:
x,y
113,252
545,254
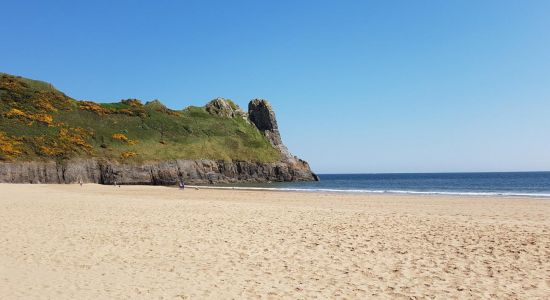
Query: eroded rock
x,y
156,172
224,108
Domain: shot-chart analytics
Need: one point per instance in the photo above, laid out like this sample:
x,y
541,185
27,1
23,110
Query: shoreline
x,y
482,195
378,192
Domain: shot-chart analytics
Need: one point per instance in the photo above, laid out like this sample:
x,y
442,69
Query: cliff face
x,y
48,137
262,115
155,172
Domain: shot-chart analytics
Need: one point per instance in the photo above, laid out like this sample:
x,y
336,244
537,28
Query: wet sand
x,y
68,242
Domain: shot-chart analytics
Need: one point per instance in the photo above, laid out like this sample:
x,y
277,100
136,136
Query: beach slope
x,y
72,242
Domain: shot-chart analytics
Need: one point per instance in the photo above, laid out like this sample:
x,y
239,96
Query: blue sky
x,y
358,86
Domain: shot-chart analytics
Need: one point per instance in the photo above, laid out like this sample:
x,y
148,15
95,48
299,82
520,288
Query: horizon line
x,y
451,172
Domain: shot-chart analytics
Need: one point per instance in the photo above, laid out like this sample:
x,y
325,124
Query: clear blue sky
x,y
358,86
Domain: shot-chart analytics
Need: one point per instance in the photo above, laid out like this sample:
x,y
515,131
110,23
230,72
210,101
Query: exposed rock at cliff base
x,y
155,172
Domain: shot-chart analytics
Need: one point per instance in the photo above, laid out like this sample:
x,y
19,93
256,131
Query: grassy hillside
x,y
39,122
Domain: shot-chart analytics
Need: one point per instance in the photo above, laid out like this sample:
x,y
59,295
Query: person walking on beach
x,y
182,185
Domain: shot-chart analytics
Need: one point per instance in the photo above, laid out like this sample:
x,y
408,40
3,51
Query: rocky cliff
x,y
263,116
154,172
48,137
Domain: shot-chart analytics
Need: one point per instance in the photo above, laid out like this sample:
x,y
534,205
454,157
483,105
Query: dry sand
x,y
68,242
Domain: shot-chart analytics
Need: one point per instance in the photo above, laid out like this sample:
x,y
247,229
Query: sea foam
x,y
366,191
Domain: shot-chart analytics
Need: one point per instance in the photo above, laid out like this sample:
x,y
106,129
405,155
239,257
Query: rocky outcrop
x,y
157,173
224,108
263,117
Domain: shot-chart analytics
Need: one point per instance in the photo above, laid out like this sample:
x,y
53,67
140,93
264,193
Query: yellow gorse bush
x,y
8,146
94,107
128,154
120,137
23,116
68,141
124,138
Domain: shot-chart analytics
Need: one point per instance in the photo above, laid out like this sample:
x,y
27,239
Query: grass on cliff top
x,y
37,121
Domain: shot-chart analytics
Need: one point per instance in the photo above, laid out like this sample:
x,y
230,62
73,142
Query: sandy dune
x,y
68,242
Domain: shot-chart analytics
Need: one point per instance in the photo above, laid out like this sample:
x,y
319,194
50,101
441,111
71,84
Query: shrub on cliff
x,y
38,121
8,147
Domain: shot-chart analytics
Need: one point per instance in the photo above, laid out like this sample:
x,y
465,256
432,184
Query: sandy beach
x,y
91,242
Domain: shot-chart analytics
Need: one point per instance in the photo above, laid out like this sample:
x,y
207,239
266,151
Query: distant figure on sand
x,y
182,185
80,182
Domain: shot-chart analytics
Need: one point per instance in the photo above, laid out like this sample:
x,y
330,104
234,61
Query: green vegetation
x,y
39,122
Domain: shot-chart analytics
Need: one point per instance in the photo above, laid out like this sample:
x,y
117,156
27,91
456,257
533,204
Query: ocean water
x,y
535,184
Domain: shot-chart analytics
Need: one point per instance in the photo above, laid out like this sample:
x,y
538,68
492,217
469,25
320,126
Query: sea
x,y
526,184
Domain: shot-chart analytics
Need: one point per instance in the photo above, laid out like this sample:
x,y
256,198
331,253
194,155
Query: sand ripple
x,y
152,242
